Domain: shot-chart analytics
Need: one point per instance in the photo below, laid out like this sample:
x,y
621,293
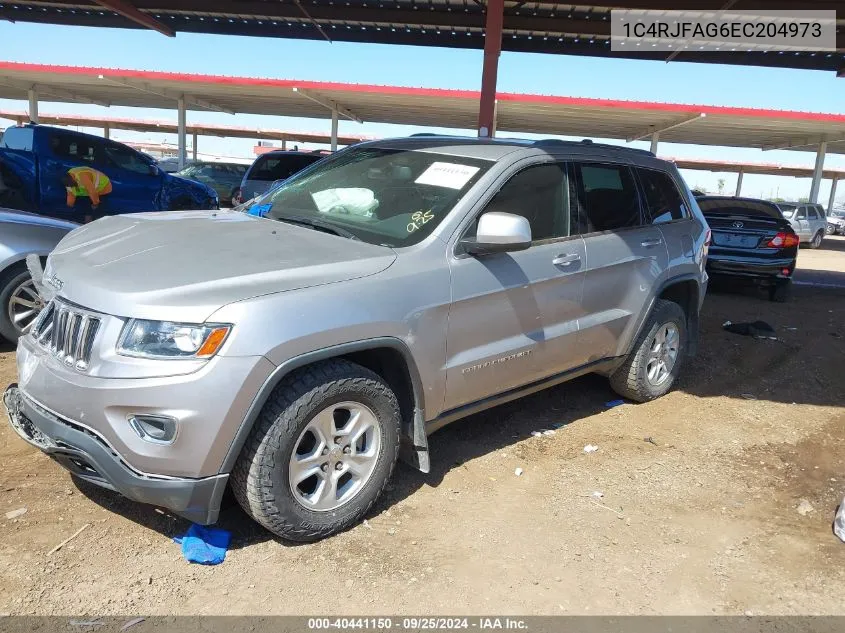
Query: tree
x,y
721,185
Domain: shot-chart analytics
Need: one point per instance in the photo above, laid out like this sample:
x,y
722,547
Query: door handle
x,y
653,242
566,260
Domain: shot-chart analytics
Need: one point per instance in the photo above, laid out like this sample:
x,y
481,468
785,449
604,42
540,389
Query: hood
x,y
25,217
184,265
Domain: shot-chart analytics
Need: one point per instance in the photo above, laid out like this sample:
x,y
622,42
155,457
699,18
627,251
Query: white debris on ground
x,y
805,507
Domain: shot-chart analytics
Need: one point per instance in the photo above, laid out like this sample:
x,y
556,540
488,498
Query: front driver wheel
x,y
654,363
322,451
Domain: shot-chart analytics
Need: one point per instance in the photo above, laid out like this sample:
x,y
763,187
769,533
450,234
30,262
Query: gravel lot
x,y
701,519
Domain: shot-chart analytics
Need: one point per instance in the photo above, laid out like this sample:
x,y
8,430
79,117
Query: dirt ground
x,y
701,519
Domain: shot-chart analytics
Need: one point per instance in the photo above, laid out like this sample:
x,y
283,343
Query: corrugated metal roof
x,y
543,26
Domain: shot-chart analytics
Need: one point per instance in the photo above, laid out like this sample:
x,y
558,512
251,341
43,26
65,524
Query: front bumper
x,y
88,456
209,405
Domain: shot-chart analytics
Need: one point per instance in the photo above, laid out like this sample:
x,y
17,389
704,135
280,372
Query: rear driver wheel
x,y
655,361
817,239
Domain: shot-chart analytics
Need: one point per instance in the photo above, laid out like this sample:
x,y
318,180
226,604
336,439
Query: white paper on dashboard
x,y
449,175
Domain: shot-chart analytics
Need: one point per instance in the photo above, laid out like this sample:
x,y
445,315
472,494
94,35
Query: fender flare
x,y
692,317
414,449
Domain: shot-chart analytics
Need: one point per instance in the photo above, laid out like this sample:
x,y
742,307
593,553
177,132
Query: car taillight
x,y
783,240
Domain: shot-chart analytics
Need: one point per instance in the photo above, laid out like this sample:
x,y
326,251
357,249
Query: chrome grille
x,y
68,333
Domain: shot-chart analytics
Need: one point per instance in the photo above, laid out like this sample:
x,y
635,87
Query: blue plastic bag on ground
x,y
204,545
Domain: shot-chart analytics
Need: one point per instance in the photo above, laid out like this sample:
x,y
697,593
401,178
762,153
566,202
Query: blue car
x,y
79,177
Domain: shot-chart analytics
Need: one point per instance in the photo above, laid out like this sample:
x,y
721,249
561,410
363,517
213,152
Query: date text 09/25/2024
x,y
416,624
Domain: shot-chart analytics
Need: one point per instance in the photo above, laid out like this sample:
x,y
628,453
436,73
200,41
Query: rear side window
x,y
607,197
275,167
664,202
76,148
18,138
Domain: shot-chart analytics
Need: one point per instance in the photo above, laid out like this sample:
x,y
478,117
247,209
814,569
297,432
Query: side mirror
x,y
154,170
499,233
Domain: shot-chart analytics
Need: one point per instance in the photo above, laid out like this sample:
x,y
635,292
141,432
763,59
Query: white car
x,y
836,222
22,234
807,219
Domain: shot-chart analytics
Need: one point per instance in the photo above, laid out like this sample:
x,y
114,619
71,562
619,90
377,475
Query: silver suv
x,y
296,351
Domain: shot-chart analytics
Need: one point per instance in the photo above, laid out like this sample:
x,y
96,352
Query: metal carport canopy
x,y
171,127
517,113
541,26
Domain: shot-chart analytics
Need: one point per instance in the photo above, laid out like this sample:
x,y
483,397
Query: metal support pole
x,y
655,138
832,195
182,133
33,105
106,131
817,172
492,49
334,130
739,183
194,146
284,143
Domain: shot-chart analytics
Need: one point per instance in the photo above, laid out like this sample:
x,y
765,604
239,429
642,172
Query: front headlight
x,y
168,340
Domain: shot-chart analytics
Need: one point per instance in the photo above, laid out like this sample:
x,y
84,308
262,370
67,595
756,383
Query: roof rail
x,y
552,142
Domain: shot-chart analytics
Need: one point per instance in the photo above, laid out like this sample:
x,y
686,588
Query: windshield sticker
x,y
418,219
449,175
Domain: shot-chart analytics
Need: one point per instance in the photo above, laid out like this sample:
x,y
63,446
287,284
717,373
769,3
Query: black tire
x,y
817,240
10,279
781,292
630,380
260,479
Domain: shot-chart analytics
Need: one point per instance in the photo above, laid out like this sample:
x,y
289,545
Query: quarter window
x,y
812,213
607,197
664,202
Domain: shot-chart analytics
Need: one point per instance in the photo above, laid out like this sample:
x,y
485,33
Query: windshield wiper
x,y
318,225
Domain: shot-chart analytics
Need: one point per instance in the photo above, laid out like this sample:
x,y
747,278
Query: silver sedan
x,y
22,234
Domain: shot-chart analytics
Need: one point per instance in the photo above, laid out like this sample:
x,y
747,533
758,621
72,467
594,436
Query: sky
x,y
433,68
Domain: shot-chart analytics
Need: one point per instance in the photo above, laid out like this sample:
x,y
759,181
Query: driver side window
x,y
801,214
540,194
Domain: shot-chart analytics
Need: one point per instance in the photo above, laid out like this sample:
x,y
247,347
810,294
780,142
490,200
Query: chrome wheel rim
x,y
334,456
24,306
663,354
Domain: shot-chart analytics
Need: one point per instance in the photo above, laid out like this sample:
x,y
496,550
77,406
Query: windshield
x,y
381,196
